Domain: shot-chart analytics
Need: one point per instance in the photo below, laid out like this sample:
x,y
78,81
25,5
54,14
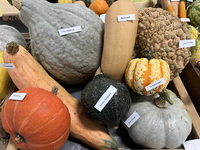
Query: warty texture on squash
x,y
160,31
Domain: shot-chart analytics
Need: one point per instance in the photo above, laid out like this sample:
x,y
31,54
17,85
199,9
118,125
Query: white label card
x,y
185,19
132,119
190,0
155,84
17,96
192,144
126,17
69,30
103,17
105,98
7,66
175,0
187,43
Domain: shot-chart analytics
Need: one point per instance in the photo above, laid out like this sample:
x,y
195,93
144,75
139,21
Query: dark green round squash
x,y
117,107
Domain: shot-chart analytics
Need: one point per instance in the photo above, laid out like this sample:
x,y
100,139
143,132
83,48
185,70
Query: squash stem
x,y
164,95
54,90
12,48
19,138
150,54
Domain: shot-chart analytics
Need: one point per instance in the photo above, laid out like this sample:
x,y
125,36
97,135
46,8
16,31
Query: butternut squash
x,y
119,38
29,73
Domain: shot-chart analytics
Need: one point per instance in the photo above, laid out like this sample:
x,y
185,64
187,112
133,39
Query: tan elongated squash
x,y
29,73
119,39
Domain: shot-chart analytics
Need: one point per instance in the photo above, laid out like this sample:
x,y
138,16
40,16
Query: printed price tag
x,y
190,0
192,144
126,17
103,17
69,30
7,66
132,119
155,84
185,19
187,43
17,96
105,98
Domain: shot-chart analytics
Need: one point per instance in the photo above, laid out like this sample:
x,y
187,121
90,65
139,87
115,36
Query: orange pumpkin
x,y
39,121
99,7
142,72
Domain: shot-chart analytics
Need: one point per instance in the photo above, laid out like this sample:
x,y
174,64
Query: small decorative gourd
x,y
9,34
5,80
99,7
39,121
157,127
69,58
117,106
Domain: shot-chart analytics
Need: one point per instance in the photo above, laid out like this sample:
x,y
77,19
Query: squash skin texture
x,y
166,127
117,107
66,58
9,34
5,80
91,133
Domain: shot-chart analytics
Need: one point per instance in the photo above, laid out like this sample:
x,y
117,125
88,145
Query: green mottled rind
x,y
111,145
71,58
194,13
118,105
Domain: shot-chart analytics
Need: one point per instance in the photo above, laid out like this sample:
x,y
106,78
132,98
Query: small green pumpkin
x,y
118,105
158,127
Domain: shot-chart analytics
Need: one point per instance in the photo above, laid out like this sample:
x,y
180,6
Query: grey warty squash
x,y
158,127
9,34
70,58
117,106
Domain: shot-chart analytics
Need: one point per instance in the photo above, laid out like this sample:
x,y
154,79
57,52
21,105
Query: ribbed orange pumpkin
x,y
39,122
99,7
142,72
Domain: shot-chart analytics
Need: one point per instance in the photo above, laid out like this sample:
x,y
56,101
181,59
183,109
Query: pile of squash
x,y
71,44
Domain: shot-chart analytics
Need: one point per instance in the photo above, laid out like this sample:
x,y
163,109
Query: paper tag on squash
x,y
69,30
192,144
7,66
185,19
103,17
190,0
17,96
105,98
126,17
175,0
187,43
132,119
155,84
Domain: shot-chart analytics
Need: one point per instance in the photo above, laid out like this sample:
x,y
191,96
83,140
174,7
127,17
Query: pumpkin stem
x,y
150,54
160,102
19,138
164,95
54,90
12,48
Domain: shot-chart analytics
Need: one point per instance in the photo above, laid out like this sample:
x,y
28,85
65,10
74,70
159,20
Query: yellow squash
x,y
64,1
5,80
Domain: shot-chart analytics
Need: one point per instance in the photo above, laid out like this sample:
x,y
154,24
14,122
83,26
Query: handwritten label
x,y
17,96
185,19
187,43
192,144
155,84
132,119
105,98
103,17
7,66
126,17
69,30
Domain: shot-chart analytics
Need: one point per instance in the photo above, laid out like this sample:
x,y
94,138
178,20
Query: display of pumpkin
x,y
99,7
39,121
157,127
5,80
